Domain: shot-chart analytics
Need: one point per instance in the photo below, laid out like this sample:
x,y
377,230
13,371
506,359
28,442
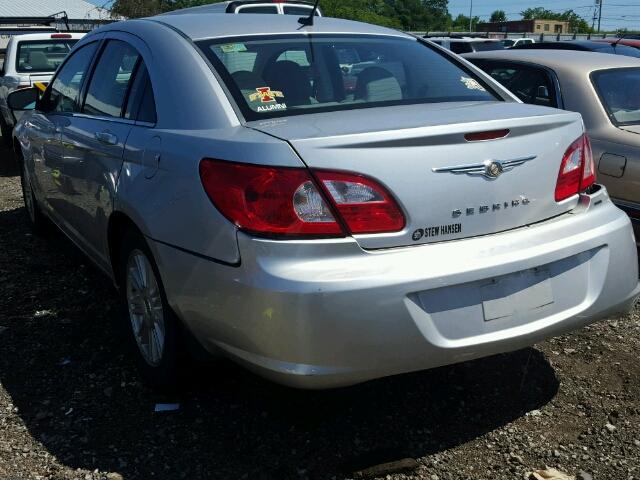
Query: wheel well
x,y
119,223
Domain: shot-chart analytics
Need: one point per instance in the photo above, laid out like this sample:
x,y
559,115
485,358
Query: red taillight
x,y
268,200
287,202
364,205
577,170
60,35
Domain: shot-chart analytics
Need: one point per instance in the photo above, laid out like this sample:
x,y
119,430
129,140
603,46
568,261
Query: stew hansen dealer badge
x,y
266,95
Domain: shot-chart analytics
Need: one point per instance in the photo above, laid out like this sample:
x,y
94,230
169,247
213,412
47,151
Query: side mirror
x,y
23,99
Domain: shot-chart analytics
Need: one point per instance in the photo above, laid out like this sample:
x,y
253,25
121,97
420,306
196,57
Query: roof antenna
x,y
615,44
308,21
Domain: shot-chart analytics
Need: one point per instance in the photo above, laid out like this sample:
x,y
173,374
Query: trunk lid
x,y
410,150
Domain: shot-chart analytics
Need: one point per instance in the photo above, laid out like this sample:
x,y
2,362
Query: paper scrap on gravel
x,y
550,474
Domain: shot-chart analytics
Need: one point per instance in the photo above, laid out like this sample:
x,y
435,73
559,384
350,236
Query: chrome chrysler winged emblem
x,y
489,168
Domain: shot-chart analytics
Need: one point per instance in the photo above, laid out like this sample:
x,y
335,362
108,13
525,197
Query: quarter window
x,y
141,103
65,89
110,80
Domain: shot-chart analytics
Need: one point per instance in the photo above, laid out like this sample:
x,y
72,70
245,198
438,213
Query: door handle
x,y
107,138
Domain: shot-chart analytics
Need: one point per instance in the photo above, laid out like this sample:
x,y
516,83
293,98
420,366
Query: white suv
x,y
29,59
467,44
281,7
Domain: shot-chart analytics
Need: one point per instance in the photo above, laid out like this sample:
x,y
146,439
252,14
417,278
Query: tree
x,y
372,11
498,16
418,15
461,23
136,8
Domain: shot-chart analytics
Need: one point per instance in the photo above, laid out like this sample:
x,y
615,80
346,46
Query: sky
x,y
615,13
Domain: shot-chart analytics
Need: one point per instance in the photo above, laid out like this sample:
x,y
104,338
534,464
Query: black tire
x,y
167,373
6,131
38,222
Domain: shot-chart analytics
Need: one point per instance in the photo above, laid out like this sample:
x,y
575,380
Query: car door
x,y
93,144
55,109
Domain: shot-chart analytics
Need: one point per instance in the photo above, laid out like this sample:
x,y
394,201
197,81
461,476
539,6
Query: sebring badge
x,y
493,207
490,169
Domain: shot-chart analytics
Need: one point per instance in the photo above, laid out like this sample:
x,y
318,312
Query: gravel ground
x,y
71,405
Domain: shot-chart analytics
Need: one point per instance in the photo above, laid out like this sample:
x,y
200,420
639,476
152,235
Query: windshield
x,y
287,75
42,55
619,91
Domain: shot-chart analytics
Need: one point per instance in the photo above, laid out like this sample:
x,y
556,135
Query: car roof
x,y
220,25
559,60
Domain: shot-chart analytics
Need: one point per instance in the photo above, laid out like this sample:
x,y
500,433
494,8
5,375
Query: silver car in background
x,y
604,89
322,227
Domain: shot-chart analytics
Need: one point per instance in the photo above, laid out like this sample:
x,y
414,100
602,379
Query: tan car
x,y
604,88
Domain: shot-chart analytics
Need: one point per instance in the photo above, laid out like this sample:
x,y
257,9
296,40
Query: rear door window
x,y
530,84
110,80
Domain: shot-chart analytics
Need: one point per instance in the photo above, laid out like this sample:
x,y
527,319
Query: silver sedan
x,y
325,203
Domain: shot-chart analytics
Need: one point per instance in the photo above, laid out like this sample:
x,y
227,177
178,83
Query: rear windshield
x,y
287,75
619,91
42,55
297,10
626,51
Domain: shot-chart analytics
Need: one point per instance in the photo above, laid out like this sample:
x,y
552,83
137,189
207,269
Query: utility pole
x,y
599,13
471,18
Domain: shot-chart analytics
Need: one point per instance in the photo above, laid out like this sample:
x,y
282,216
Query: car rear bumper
x,y
325,313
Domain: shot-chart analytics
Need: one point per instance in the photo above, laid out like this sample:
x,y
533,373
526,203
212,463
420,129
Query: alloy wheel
x,y
145,307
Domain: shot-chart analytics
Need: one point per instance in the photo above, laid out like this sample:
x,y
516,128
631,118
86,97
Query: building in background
x,y
538,25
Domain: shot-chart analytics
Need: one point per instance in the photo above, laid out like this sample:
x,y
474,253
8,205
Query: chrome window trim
x,y
104,118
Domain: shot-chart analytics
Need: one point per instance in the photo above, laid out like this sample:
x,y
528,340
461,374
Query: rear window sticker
x,y
471,84
272,107
265,95
233,47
